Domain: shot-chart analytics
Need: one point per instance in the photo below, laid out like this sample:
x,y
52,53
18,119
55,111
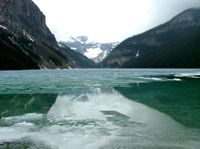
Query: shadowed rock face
x,y
25,40
24,15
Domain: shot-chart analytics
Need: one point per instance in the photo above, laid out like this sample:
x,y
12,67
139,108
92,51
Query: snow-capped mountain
x,y
93,50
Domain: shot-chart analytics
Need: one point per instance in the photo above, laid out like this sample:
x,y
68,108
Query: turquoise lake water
x,y
100,109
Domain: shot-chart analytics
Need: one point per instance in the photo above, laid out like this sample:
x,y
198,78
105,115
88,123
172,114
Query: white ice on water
x,y
81,121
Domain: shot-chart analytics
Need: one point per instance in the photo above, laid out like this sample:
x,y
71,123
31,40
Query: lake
x,y
100,109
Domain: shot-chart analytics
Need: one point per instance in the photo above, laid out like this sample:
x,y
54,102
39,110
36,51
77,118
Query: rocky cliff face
x,y
25,40
25,16
174,44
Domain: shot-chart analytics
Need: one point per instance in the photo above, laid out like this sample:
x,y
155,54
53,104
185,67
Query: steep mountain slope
x,y
25,40
77,59
12,55
93,50
175,44
24,15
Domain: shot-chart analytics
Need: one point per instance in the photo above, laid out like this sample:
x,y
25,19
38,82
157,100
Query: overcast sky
x,y
108,20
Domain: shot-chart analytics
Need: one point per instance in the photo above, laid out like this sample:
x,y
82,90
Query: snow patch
x,y
29,37
105,53
115,45
93,52
61,45
24,32
138,54
5,28
100,57
73,48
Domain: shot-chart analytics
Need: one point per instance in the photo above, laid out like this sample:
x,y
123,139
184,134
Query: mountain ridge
x,y
161,47
95,51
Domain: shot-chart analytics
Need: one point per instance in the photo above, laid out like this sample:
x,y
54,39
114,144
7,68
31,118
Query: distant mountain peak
x,y
82,38
93,50
70,38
